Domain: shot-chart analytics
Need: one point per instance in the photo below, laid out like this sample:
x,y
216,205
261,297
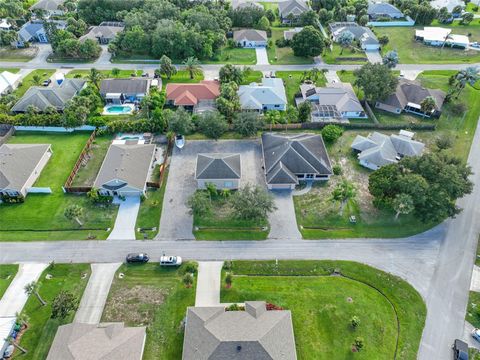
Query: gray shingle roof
x,y
409,91
129,163
218,166
270,92
125,86
17,162
47,5
240,4
299,154
55,96
383,9
361,33
294,7
111,341
250,35
102,31
254,334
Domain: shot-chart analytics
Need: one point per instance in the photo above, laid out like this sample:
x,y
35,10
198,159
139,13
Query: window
x,y
310,176
277,106
228,184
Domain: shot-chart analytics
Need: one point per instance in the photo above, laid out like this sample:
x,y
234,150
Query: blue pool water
x,y
118,109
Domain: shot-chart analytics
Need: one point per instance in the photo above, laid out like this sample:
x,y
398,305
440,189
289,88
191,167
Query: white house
x,y
222,170
8,82
250,38
21,165
269,95
438,36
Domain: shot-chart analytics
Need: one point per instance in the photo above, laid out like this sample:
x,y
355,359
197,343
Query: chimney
x,y
255,308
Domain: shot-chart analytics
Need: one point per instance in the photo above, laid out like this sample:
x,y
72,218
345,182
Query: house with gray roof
x,y
33,31
242,4
49,7
381,10
78,341
250,38
362,34
269,95
222,170
126,169
20,166
291,10
212,333
104,33
119,91
336,101
289,159
54,96
377,149
408,97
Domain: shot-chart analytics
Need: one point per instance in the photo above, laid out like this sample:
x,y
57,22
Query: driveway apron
x,y
262,57
124,227
208,283
283,223
95,295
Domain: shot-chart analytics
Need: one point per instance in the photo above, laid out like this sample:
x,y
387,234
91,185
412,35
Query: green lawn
x,y
415,52
14,55
12,70
26,82
237,56
182,76
221,224
105,73
470,8
41,331
7,273
252,76
41,216
283,56
293,79
151,211
473,309
349,56
156,298
87,174
322,305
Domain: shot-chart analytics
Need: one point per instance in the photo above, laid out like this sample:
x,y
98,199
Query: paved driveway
x,y
262,57
208,283
124,227
374,56
176,222
95,295
283,223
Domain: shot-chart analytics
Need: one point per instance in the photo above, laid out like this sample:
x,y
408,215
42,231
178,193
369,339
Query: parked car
x,y
8,352
137,258
476,334
46,82
170,260
460,350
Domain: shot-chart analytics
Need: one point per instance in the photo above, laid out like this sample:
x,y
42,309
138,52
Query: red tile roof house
x,y
196,97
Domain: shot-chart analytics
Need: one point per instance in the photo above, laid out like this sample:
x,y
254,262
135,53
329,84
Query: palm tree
x,y
32,288
192,65
427,105
36,80
469,75
345,40
343,192
403,204
390,59
74,212
95,76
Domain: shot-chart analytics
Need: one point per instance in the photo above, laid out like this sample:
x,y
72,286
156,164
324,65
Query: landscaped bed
x,y
41,216
7,273
41,327
392,314
155,297
106,73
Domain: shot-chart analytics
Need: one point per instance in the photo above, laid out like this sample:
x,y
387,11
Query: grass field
x,y
182,76
7,273
42,328
252,76
236,56
293,79
283,56
473,309
221,224
349,56
156,298
41,216
322,306
12,70
105,73
27,82
14,55
415,52
87,174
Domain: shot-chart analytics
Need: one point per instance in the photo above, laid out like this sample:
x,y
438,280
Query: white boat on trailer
x,y
179,141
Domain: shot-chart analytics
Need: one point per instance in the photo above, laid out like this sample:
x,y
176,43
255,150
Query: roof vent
x,y
239,348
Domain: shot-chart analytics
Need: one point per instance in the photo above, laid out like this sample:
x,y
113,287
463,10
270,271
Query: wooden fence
x,y
78,164
77,189
162,168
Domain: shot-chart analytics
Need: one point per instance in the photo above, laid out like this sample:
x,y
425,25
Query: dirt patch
x,y
135,305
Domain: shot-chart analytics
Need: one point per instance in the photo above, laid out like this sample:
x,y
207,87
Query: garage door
x,y
280,187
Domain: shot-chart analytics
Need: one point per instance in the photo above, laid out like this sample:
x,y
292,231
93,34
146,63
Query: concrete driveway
x,y
124,227
374,56
105,56
176,222
95,295
208,283
262,57
283,223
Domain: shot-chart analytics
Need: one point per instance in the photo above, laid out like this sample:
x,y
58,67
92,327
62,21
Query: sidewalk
x,y
95,295
208,283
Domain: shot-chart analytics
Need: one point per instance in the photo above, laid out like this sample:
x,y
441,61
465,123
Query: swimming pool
x,y
118,109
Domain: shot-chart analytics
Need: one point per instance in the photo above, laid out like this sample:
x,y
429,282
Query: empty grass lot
x,y
27,81
283,56
154,297
12,70
292,81
252,76
42,328
221,224
87,174
238,56
7,273
41,216
415,52
322,306
14,55
349,56
182,76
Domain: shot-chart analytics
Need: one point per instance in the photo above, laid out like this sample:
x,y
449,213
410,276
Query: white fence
x,y
408,22
55,128
39,190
